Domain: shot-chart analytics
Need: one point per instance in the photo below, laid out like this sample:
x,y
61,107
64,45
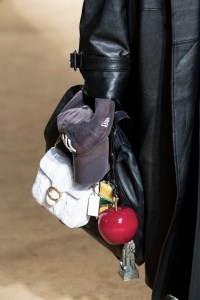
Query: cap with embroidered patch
x,y
87,131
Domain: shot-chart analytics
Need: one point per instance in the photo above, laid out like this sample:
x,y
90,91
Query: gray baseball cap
x,y
88,131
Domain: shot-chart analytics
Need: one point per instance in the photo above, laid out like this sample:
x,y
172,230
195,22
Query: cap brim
x,y
92,167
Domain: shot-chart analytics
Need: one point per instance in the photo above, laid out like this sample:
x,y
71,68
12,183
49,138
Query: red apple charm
x,y
118,225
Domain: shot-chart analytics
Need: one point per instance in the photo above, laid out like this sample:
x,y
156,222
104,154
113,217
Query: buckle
x,y
75,60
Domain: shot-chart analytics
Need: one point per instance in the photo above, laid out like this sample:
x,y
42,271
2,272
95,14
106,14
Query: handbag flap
x,y
58,167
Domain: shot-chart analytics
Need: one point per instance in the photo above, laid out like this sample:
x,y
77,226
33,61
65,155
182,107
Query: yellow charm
x,y
103,207
106,195
106,190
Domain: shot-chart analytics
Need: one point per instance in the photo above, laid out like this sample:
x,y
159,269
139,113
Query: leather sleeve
x,y
104,48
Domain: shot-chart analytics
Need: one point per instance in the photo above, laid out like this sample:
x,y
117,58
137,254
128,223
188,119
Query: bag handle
x,y
120,115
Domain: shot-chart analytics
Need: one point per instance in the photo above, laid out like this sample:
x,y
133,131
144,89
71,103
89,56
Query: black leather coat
x,y
146,54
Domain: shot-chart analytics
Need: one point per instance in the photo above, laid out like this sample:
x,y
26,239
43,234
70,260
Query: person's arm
x,y
104,48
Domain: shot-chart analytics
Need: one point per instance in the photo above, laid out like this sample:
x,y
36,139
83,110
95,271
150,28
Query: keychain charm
x,y
118,225
127,268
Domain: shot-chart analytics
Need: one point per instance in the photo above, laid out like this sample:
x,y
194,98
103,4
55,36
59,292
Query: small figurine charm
x,y
127,268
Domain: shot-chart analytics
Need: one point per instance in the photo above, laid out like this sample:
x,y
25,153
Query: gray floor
x,y
39,257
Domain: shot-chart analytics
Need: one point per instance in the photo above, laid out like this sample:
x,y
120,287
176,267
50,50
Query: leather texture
x,y
125,176
170,297
95,43
160,91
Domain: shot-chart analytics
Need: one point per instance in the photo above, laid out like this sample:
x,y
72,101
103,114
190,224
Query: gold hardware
x,y
106,190
54,194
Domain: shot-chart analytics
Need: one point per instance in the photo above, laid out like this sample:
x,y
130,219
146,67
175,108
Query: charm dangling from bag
x,y
127,268
118,225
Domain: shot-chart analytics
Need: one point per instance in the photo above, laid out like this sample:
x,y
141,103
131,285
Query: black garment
x,y
146,54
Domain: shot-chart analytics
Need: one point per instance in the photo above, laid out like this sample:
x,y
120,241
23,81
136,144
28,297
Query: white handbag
x,y
55,189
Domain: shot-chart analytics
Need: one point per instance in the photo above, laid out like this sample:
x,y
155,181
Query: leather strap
x,y
120,115
99,63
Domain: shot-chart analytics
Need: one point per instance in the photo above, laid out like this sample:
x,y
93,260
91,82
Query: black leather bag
x,y
126,177
124,174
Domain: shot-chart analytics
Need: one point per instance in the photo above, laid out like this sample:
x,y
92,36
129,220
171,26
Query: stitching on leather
x,y
107,59
156,163
186,41
153,9
106,69
173,80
